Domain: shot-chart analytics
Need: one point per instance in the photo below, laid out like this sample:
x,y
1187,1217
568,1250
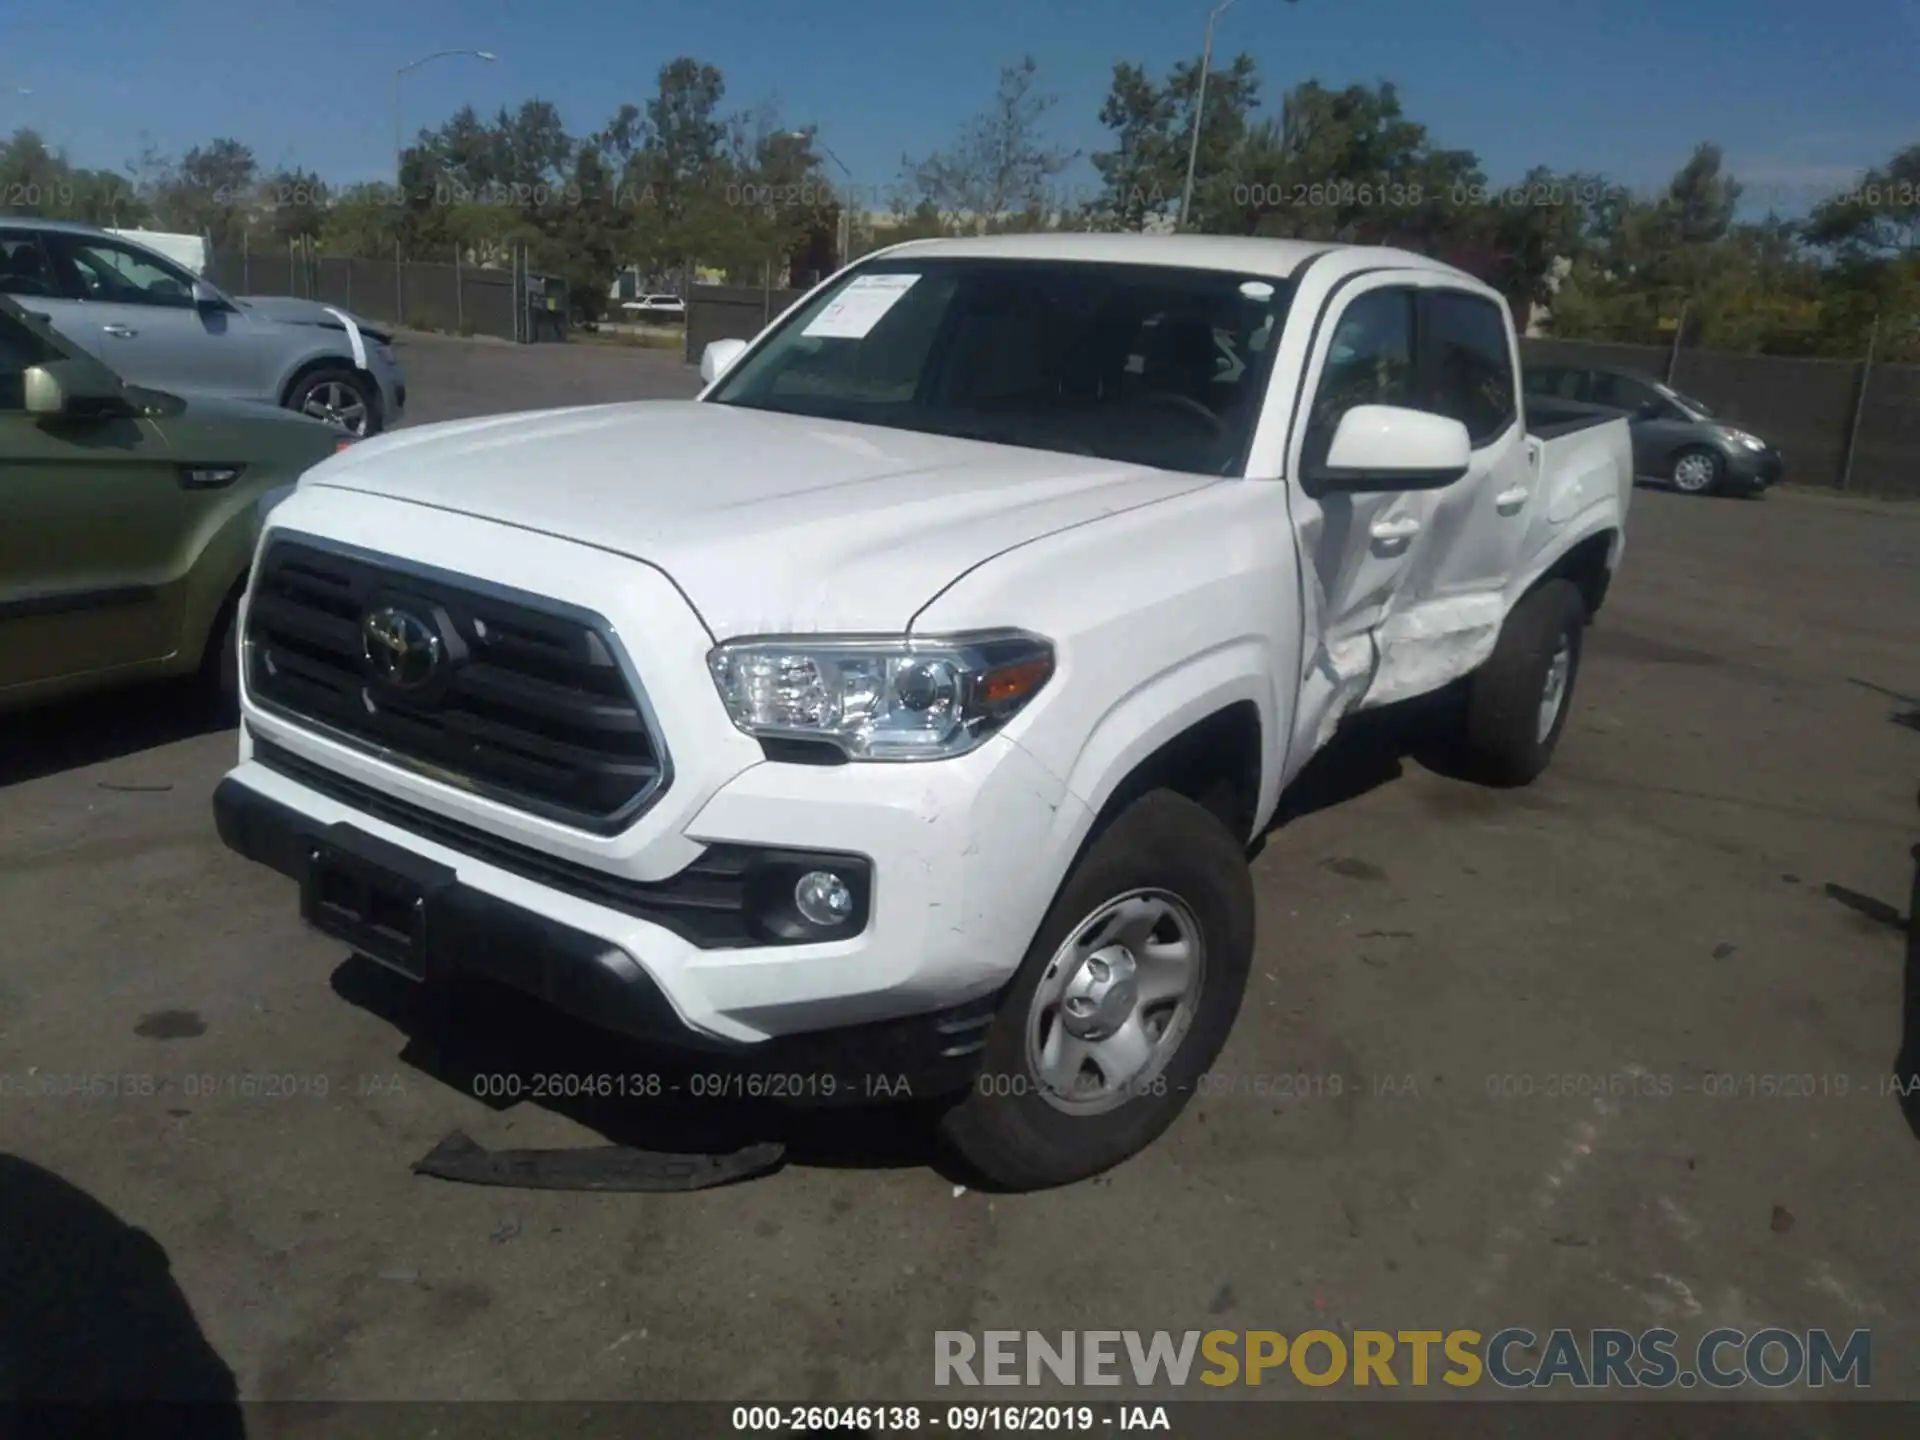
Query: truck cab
x,y
909,700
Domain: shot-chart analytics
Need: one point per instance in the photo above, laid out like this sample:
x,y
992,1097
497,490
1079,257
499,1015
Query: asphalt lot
x,y
1700,900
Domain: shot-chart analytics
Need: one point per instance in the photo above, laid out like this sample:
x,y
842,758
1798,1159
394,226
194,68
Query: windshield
x,y
1686,402
1145,364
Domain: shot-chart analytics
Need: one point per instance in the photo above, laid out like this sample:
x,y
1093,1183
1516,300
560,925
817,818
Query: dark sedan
x,y
1675,439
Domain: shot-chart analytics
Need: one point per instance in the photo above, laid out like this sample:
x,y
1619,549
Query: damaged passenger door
x,y
1356,544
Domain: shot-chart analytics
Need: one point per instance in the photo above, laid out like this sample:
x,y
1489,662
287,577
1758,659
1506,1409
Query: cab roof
x,y
1244,255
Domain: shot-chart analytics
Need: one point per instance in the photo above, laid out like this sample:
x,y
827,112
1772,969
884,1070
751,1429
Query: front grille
x,y
528,703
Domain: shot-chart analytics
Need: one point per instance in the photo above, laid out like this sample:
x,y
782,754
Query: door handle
x,y
119,332
1403,529
1508,501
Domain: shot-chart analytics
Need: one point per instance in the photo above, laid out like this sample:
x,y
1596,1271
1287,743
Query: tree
x,y
1348,165
362,220
32,177
37,180
211,192
1877,218
295,202
1141,175
1001,168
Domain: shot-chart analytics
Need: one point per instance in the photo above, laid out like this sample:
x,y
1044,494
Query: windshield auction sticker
x,y
859,307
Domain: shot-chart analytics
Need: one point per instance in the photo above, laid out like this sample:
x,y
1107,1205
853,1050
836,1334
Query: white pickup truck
x,y
897,715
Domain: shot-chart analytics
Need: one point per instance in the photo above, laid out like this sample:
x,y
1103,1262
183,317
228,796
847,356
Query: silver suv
x,y
160,325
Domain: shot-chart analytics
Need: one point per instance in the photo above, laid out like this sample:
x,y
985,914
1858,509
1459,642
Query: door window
x,y
23,265
1369,362
1554,383
1468,374
1623,392
118,274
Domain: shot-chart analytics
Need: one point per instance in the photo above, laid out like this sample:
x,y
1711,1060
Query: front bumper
x,y
481,935
392,385
1754,469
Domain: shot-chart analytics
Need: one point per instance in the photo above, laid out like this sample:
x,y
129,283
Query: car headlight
x,y
882,697
1741,437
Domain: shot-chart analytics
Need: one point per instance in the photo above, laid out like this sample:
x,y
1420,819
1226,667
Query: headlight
x,y
1741,437
882,698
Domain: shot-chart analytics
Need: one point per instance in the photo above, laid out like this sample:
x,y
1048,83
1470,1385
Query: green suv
x,y
130,519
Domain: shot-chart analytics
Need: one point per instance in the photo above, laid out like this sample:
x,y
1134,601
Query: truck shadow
x,y
458,1034
69,734
96,1336
1369,750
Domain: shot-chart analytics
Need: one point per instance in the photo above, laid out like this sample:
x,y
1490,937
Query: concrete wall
x,y
1803,406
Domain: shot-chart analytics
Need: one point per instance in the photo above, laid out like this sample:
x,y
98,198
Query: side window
x,y
20,348
1468,370
1557,384
1623,392
23,265
1369,362
102,270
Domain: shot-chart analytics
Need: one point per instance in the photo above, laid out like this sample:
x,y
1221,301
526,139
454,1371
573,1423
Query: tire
x,y
1509,734
220,665
1697,470
1018,1130
341,396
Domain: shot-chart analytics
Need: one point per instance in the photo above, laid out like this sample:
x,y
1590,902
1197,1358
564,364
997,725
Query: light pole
x,y
1199,109
843,243
398,148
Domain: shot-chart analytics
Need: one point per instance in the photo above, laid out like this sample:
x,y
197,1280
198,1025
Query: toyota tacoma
x,y
906,704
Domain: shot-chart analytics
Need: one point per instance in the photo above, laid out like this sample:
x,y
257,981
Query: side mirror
x,y
1384,447
75,390
205,297
718,358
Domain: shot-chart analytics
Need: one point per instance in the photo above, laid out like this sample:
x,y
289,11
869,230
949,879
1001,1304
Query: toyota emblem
x,y
401,648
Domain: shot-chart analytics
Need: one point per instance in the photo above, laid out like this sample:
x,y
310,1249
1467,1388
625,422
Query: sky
x,y
1801,96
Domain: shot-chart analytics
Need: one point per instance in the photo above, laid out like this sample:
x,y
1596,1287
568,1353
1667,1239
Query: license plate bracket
x,y
375,896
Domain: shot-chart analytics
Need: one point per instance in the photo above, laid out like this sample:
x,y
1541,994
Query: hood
x,y
768,523
291,310
256,412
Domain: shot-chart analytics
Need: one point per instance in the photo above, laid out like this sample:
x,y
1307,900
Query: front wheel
x,y
220,665
1122,1001
344,398
1698,471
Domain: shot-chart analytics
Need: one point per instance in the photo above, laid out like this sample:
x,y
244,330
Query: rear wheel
x,y
1124,998
1517,703
344,398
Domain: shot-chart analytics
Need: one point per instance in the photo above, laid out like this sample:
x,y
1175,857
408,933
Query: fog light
x,y
823,898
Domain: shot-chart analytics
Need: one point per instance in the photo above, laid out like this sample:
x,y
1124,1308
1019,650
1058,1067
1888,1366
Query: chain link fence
x,y
452,296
